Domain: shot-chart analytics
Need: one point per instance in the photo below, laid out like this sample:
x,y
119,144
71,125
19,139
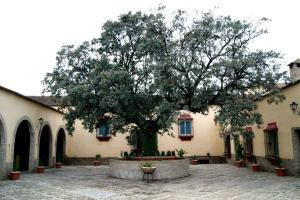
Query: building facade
x,y
32,133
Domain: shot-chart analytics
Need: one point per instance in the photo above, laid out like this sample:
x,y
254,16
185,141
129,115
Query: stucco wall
x,y
206,138
13,110
85,144
285,120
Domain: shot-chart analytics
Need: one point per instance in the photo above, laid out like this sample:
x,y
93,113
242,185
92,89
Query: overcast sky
x,y
31,32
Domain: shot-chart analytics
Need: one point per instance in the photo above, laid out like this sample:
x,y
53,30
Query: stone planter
x,y
255,167
239,163
58,165
15,175
280,171
165,169
96,163
194,162
148,170
40,169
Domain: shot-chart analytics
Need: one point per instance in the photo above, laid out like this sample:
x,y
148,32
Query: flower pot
x,y
255,167
239,163
40,169
15,175
96,162
194,162
280,171
57,165
148,170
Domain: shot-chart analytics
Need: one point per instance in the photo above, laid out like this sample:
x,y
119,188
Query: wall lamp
x,y
41,121
293,106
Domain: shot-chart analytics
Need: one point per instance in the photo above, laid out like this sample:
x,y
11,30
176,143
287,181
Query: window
x,y
249,146
248,141
185,128
103,130
271,141
271,144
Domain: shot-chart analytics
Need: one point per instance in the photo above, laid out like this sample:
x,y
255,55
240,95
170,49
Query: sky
x,y
32,31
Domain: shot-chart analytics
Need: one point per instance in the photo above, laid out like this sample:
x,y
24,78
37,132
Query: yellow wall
x,y
285,120
206,138
13,108
85,144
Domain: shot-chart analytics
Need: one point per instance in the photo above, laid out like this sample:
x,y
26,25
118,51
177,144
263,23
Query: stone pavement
x,y
220,181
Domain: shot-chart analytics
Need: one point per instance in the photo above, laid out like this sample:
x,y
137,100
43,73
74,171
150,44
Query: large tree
x,y
145,67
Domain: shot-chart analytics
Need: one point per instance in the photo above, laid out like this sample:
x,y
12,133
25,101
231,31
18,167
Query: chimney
x,y
295,70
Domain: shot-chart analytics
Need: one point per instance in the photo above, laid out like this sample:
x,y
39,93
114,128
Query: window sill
x,y
104,138
186,137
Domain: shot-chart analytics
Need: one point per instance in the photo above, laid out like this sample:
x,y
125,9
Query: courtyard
x,y
213,181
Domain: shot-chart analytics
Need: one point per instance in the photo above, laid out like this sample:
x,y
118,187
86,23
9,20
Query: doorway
x,y
45,150
22,147
60,146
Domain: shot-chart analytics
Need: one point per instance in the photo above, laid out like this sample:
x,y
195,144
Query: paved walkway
x,y
206,182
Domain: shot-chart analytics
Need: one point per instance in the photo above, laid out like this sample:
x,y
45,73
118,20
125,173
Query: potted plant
x,y
239,155
180,153
58,165
162,153
97,161
280,171
59,160
255,166
15,174
194,161
40,169
148,168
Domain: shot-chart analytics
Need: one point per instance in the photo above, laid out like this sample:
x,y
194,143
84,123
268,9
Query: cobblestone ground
x,y
206,182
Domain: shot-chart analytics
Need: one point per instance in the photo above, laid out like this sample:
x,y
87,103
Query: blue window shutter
x,y
101,130
188,128
106,130
182,128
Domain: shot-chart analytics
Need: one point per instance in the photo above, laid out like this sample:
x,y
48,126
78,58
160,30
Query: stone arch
x,y
24,121
61,143
45,145
3,146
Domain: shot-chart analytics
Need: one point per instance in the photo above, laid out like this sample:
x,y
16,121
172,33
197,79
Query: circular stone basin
x,y
165,169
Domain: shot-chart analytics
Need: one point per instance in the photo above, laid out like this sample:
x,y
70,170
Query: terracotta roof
x,y
47,100
29,99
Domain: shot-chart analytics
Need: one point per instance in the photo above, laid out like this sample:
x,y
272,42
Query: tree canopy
x,y
144,67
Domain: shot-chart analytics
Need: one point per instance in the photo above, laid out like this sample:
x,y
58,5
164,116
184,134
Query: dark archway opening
x,y
22,147
60,146
2,150
45,146
227,147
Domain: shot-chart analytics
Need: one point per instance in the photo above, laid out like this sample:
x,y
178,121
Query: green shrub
x,y
98,156
181,152
168,153
173,153
147,164
162,153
